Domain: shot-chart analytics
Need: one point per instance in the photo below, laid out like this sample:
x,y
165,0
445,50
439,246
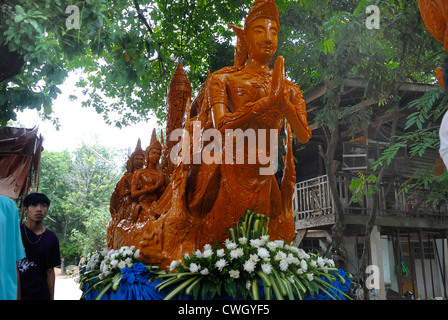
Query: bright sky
x,y
79,124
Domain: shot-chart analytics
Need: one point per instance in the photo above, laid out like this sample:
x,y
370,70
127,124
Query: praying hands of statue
x,y
140,188
280,97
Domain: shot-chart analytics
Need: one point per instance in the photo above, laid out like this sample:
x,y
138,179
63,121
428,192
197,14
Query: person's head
x,y
36,206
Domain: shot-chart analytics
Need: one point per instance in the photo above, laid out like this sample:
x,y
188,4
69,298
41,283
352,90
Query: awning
x,y
20,151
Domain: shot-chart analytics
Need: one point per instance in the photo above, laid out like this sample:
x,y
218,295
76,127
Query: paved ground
x,y
66,288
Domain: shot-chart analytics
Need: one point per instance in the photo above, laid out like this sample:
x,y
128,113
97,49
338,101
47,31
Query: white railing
x,y
312,198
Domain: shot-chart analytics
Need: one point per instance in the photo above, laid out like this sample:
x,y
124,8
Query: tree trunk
x,y
339,225
373,211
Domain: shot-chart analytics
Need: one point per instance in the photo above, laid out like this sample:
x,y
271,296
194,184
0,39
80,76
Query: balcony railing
x,y
312,198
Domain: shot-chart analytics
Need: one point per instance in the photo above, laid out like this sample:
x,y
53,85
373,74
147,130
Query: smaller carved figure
x,y
121,202
148,183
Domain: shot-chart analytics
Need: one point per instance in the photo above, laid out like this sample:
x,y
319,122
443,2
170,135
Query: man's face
x,y
262,39
37,212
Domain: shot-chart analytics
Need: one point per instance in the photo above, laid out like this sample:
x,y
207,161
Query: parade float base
x,y
135,285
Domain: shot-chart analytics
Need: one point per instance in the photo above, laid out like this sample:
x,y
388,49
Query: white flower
x,y
198,254
293,249
242,240
249,265
114,263
194,267
299,271
137,254
248,285
256,243
207,253
254,258
272,246
236,253
207,247
220,253
230,245
234,274
313,263
220,264
121,264
266,267
310,276
280,256
186,256
204,272
128,260
330,262
279,243
174,264
265,238
303,254
320,262
123,249
263,253
304,265
283,265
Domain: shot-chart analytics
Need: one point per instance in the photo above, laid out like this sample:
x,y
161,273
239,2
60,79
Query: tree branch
x,y
151,31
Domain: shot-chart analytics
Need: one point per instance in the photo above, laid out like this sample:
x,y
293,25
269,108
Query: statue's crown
x,y
138,149
155,143
262,9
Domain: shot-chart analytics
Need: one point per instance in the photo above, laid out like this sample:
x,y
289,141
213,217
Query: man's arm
x,y
51,281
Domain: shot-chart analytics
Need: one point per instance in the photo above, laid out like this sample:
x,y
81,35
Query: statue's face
x,y
262,39
139,161
154,156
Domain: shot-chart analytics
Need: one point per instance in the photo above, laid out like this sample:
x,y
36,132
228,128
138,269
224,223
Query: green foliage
x,y
128,50
39,51
364,185
422,134
94,234
79,185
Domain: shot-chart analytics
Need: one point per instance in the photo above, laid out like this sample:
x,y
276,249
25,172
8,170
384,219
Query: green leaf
x,y
105,289
178,290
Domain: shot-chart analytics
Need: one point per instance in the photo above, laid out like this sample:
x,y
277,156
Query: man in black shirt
x,y
37,276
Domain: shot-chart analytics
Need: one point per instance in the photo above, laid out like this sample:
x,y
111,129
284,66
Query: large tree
x,y
128,51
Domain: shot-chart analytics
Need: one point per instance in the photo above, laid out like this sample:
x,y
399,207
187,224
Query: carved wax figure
x,y
248,96
148,183
204,199
122,205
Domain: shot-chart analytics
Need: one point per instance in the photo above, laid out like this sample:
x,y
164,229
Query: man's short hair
x,y
35,199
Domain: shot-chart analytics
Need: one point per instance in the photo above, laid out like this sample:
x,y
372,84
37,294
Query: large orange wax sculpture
x,y
435,16
198,199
